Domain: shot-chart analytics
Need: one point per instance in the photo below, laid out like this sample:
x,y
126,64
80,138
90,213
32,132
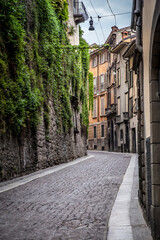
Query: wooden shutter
x,y
95,107
105,81
102,106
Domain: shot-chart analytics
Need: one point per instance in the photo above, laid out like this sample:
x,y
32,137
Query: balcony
x,y
118,119
125,116
79,12
111,110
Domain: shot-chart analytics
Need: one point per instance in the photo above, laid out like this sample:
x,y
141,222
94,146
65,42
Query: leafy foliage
x,y
91,89
35,69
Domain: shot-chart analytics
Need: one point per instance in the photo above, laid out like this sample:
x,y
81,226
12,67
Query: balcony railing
x,y
125,116
118,119
111,110
79,12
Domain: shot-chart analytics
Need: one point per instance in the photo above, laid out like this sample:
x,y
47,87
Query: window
x,y
102,82
127,72
118,77
131,79
126,103
94,62
102,130
95,84
115,95
102,106
121,134
95,107
109,98
108,76
119,106
108,57
101,58
95,131
130,107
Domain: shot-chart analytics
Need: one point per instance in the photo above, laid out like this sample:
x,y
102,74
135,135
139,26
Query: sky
x,y
103,26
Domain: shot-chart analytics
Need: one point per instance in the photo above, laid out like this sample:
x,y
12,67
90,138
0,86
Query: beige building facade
x,y
126,118
146,22
77,15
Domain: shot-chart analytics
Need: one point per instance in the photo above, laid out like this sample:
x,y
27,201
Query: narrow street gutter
x,y
42,173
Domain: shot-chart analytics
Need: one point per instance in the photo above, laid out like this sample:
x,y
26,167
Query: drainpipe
x,y
138,15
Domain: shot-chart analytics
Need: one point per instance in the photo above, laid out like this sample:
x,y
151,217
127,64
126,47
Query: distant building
x,y
102,121
77,14
126,119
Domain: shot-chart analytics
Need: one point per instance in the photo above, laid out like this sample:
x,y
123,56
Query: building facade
x,y
97,134
126,83
110,130
77,15
146,23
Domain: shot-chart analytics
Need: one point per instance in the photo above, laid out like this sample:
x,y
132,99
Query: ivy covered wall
x,y
35,64
38,65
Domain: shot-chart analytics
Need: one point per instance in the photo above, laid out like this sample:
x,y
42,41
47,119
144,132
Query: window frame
x,y
102,130
94,132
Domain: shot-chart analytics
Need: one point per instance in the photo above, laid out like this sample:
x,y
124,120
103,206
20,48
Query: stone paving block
x,y
72,203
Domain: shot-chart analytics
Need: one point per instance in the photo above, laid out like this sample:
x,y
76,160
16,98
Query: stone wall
x,y
30,152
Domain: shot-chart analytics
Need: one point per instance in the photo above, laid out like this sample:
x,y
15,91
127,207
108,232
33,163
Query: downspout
x,y
138,14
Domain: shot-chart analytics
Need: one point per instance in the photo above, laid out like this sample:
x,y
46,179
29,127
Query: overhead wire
x,y
94,29
112,11
98,19
116,14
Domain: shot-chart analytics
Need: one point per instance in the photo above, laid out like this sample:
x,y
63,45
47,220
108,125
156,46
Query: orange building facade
x,y
102,134
101,65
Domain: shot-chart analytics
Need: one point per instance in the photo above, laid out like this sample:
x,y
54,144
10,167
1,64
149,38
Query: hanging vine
x,y
34,67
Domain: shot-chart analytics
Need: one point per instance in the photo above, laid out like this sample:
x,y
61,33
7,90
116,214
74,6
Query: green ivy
x,y
91,90
35,68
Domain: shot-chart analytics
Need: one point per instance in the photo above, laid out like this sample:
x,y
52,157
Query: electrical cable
x,y
112,11
93,7
102,30
116,14
97,37
98,19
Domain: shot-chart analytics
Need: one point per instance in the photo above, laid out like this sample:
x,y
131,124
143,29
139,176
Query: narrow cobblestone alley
x,y
72,203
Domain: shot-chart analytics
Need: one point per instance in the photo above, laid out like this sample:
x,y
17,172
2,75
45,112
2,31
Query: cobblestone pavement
x,y
73,203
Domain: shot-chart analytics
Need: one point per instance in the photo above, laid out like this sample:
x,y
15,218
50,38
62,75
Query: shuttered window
x,y
108,77
102,82
126,99
109,98
118,78
102,106
94,62
101,58
95,107
115,95
131,78
119,106
108,57
131,107
95,84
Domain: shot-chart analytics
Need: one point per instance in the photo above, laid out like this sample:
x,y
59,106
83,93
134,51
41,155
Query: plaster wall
x,y
148,11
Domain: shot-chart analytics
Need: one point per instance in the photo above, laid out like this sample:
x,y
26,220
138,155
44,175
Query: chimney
x,y
114,28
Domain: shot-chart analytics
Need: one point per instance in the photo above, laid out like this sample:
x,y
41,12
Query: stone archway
x,y
155,127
